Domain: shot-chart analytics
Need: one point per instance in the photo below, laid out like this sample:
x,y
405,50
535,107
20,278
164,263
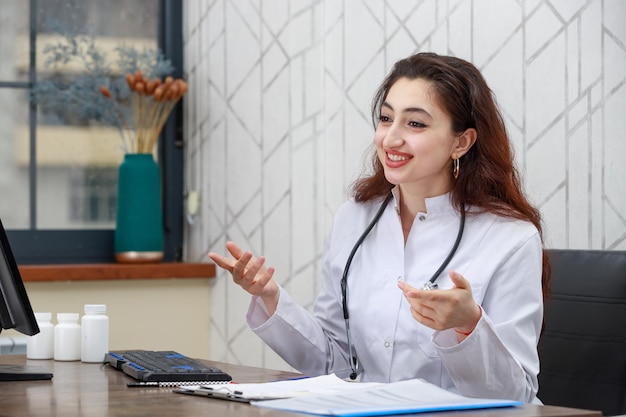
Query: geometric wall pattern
x,y
277,121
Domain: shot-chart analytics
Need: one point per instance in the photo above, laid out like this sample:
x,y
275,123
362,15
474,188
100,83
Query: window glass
x,y
59,163
14,29
93,196
14,158
78,154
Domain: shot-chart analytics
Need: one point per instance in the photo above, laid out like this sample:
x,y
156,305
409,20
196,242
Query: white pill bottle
x,y
94,333
67,337
41,345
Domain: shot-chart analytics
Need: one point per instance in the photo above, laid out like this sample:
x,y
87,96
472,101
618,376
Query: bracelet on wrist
x,y
463,333
480,314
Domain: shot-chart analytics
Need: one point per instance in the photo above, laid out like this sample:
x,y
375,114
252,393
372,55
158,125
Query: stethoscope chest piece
x,y
430,286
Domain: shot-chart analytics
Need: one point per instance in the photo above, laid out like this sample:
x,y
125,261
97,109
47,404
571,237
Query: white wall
x,y
277,121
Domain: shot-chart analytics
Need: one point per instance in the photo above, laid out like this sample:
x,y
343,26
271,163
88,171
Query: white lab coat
x,y
500,257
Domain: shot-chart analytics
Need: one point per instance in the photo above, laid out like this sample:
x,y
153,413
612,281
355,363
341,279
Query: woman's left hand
x,y
444,309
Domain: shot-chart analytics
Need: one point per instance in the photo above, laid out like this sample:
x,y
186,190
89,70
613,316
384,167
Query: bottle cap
x,y
67,316
43,316
95,308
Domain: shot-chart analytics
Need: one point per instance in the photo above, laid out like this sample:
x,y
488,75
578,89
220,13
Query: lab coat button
x,y
387,344
422,217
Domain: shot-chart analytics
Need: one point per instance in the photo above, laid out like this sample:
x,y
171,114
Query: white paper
x,y
411,396
322,385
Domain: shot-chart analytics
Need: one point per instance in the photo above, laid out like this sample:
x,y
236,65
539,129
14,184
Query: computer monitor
x,y
15,312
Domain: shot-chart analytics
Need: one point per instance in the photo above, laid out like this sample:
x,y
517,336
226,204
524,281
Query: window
x,y
58,170
93,196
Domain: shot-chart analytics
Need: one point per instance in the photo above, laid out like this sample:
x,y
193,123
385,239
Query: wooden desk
x,y
80,389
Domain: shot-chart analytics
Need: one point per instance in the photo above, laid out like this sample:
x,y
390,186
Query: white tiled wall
x,y
277,121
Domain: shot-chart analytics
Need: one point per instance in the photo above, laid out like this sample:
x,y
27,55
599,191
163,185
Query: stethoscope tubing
x,y
430,284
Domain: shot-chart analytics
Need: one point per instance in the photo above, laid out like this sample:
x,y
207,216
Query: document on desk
x,y
332,396
403,397
322,385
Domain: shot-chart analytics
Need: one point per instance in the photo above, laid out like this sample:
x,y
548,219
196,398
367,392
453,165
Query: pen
x,y
291,379
218,388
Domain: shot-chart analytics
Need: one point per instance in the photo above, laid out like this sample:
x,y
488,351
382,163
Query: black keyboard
x,y
164,367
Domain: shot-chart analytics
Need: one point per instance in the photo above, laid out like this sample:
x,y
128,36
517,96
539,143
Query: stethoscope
x,y
430,285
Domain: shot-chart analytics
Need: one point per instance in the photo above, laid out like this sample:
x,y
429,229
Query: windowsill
x,y
115,271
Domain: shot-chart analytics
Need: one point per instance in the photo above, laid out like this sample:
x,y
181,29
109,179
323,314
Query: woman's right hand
x,y
250,274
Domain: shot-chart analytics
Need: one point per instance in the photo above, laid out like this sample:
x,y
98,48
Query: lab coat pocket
x,y
414,337
424,341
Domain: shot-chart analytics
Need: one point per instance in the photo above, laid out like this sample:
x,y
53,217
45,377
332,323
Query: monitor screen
x,y
15,311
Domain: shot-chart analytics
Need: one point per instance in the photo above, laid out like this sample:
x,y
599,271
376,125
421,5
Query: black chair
x,y
583,346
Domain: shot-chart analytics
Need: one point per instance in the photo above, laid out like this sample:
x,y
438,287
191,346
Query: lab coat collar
x,y
438,204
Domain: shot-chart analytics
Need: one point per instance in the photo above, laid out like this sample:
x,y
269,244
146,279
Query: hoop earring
x,y
455,170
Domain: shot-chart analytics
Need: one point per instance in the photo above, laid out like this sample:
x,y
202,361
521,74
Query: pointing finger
x,y
222,261
234,249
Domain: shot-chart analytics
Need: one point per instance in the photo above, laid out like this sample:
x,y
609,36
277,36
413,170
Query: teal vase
x,y
139,228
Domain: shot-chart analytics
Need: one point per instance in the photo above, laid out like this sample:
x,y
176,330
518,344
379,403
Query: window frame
x,y
34,246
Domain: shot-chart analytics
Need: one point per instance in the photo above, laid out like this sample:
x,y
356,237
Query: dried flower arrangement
x,y
112,92
152,101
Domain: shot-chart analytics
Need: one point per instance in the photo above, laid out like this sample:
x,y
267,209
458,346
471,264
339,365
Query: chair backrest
x,y
583,346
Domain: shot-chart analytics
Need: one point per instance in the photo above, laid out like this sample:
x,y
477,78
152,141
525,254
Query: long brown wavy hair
x,y
488,179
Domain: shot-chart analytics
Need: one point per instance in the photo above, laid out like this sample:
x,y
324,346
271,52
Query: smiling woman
x,y
414,138
434,259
